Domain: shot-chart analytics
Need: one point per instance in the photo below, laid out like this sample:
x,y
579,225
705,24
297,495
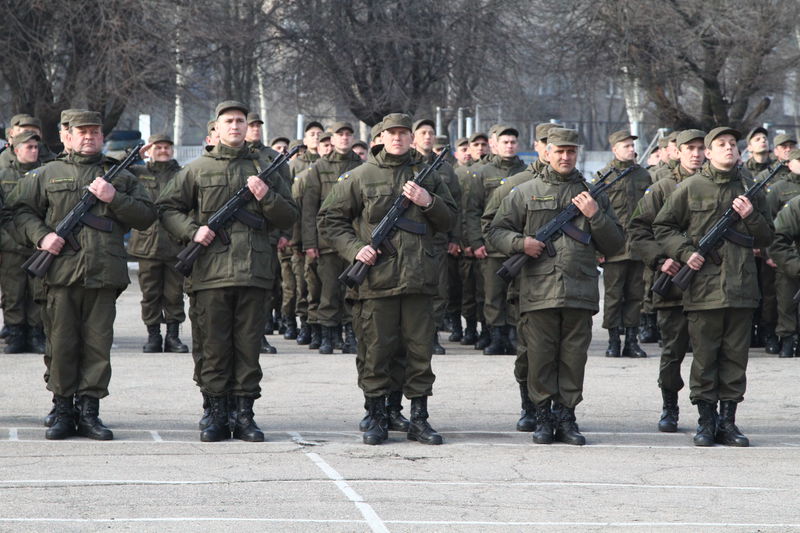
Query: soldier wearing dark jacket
x,y
557,294
720,300
83,281
394,305
156,250
785,251
231,277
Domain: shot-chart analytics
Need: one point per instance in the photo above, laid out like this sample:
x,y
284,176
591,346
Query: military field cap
x,y
396,120
296,142
159,138
85,118
478,135
663,142
361,144
423,122
689,135
27,135
253,117
28,120
461,141
716,132
493,130
542,129
342,125
20,116
313,124
794,154
375,131
505,129
784,138
563,137
279,139
672,137
755,131
440,141
230,104
67,113
211,126
325,136
619,136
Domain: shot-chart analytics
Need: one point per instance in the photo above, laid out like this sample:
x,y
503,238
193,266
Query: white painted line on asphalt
x,y
687,446
13,435
156,436
7,482
182,519
561,484
373,520
593,524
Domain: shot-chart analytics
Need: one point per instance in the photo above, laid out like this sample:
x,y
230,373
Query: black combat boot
x,y
566,427
266,347
280,322
436,348
649,333
291,328
154,340
727,432
4,332
447,323
218,427
418,428
326,340
350,343
497,346
36,340
64,422
304,333
772,344
527,420
172,343
457,333
17,341
470,333
336,337
378,430
394,406
543,434
316,337
632,348
206,418
669,412
51,416
511,340
269,327
788,346
614,343
706,424
89,423
245,428
484,338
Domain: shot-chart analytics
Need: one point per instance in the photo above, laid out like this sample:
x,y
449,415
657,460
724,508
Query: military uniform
x,y
720,299
311,281
784,251
469,267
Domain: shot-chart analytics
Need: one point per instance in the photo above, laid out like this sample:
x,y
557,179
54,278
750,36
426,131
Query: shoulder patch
x,y
344,176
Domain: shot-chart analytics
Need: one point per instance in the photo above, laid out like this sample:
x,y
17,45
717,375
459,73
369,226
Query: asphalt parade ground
x,y
314,474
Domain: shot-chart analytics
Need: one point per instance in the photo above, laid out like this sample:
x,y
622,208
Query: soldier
x,y
784,251
394,305
22,314
778,195
24,122
461,153
231,277
623,273
212,136
671,319
156,251
669,158
758,148
477,192
280,144
720,300
360,148
311,138
332,312
81,285
558,295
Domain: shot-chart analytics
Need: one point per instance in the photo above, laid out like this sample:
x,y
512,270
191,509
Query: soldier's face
x,y
462,154
62,134
281,147
396,141
692,154
624,150
311,138
361,152
562,158
324,147
672,151
232,127
664,153
423,138
87,140
782,150
27,152
161,152
540,147
253,132
758,144
478,148
342,140
723,152
507,145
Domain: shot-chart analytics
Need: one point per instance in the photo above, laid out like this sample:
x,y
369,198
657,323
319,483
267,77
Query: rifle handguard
x,y
683,278
662,285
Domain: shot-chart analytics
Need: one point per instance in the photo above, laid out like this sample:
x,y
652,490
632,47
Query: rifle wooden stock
x,y
662,284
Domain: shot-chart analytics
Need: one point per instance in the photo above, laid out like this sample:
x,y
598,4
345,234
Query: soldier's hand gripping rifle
x,y
38,264
561,223
354,274
232,209
722,229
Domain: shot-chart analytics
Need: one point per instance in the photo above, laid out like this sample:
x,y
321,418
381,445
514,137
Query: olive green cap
x,y
478,135
313,124
563,137
461,141
672,137
211,126
755,131
542,129
375,131
296,142
279,139
687,136
325,136
85,118
362,144
794,154
716,132
25,136
16,118
663,141
396,120
619,136
784,138
26,120
253,117
341,125
505,129
159,138
230,104
67,114
493,130
440,141
423,122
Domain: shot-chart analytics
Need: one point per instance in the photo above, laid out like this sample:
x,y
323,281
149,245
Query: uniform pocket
x,y
377,201
212,193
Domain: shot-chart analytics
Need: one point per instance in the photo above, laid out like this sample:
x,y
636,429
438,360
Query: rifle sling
x,y
740,239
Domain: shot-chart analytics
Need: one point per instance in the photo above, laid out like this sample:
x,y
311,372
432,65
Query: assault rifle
x,y
38,264
561,223
232,209
722,229
354,275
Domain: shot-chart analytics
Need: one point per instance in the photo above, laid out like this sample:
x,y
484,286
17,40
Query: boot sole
x,y
374,442
542,441
432,442
255,438
668,429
